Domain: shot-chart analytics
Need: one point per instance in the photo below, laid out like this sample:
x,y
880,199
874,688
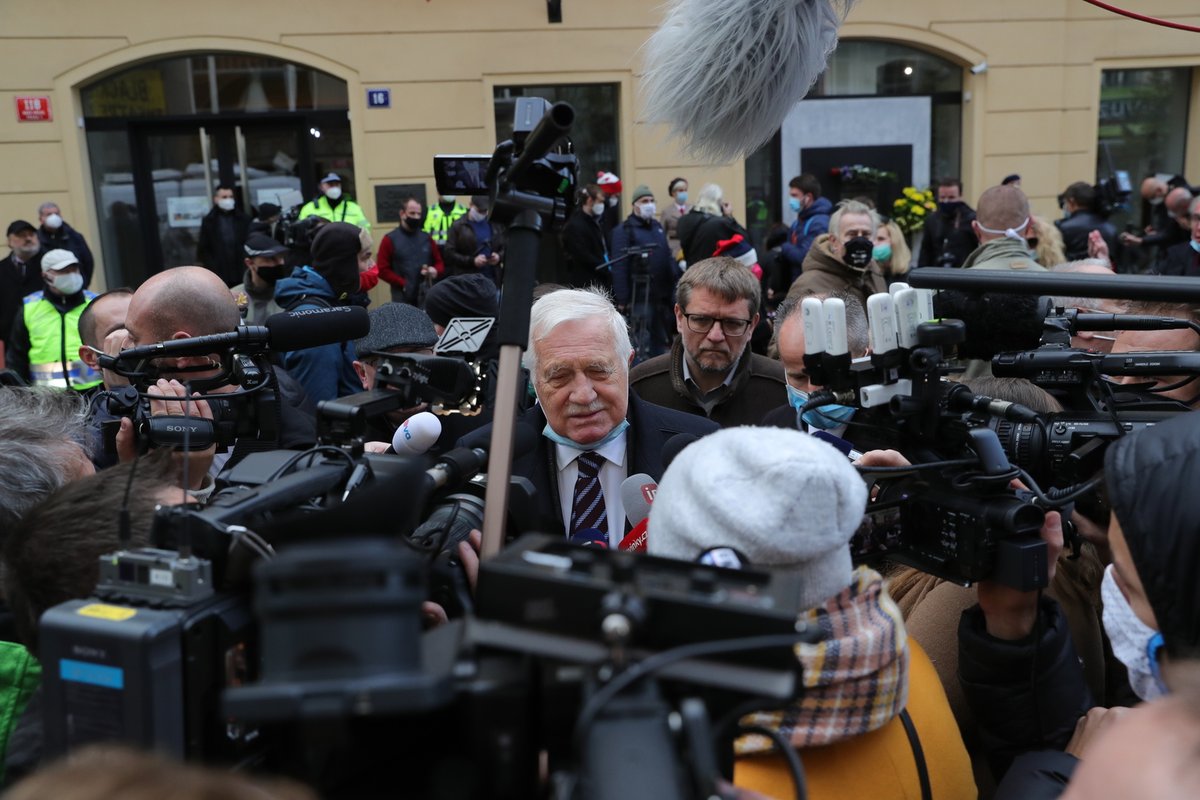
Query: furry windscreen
x,y
724,73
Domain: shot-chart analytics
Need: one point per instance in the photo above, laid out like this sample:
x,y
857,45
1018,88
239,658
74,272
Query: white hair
x,y
725,73
709,199
573,305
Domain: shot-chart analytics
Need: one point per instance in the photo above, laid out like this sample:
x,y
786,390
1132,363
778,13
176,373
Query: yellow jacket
x,y
879,765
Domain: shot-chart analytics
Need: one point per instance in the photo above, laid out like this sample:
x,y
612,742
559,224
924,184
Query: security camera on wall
x,y
979,68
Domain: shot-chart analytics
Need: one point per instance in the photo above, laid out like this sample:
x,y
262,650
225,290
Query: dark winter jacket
x,y
1026,695
663,270
1075,230
325,372
462,245
585,245
949,236
67,238
700,231
16,282
756,388
810,223
824,272
224,258
1181,260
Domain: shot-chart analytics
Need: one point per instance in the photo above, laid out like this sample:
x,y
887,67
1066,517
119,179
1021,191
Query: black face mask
x,y
270,274
857,252
413,223
950,208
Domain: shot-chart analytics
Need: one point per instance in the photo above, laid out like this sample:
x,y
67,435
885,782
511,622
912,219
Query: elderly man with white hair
x,y
594,432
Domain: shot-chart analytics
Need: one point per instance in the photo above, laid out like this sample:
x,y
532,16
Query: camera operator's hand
x,y
1091,727
1097,247
114,343
468,557
199,460
493,259
1011,613
376,447
481,260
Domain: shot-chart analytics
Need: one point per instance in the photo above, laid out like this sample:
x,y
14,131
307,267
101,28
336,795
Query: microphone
x,y
995,323
637,494
843,446
674,445
724,74
590,538
417,434
961,398
290,330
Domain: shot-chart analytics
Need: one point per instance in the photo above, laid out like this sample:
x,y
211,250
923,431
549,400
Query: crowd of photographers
x,y
669,322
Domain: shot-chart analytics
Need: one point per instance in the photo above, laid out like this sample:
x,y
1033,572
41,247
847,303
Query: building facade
x,y
126,113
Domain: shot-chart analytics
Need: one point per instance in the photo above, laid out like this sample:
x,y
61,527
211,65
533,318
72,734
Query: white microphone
x,y
417,434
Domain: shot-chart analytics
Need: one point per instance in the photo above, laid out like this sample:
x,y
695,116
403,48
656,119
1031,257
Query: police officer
x,y
333,206
44,346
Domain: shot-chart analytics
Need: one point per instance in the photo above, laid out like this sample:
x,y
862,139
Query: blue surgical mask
x,y
794,204
882,253
824,417
1194,245
557,438
681,198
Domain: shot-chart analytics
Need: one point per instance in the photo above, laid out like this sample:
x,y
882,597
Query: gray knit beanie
x,y
782,498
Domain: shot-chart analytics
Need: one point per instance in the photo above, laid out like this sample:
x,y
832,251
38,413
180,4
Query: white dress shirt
x,y
612,473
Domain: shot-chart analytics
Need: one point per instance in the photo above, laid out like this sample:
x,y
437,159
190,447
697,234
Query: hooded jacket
x,y
810,223
824,272
325,372
1003,253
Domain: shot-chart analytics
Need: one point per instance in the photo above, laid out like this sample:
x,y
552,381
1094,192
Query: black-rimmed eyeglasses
x,y
701,323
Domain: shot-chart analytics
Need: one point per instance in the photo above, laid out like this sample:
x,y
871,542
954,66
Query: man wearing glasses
x,y
709,371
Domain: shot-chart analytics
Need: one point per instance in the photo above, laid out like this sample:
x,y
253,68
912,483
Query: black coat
x,y
951,236
209,252
15,283
462,245
700,231
650,427
1075,230
586,247
67,238
1181,260
663,270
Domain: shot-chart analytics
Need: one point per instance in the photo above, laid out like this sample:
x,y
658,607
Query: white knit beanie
x,y
782,498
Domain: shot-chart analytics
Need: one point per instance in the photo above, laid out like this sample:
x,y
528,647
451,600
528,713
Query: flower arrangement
x,y
860,174
912,208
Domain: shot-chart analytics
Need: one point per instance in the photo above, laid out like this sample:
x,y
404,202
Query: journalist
x,y
872,719
644,276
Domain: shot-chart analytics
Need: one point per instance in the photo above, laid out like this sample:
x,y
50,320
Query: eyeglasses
x,y
699,323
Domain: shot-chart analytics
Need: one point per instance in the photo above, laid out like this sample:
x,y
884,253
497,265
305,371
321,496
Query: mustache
x,y
577,410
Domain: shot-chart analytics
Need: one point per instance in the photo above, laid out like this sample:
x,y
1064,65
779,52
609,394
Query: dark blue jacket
x,y
662,268
810,223
650,427
67,238
325,372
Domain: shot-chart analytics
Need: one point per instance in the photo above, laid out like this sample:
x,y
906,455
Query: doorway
x,y
162,137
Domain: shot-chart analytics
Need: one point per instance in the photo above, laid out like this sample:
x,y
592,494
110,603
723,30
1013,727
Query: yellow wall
x,y
1034,111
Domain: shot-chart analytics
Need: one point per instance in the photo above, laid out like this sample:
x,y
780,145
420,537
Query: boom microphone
x,y
995,323
289,330
725,73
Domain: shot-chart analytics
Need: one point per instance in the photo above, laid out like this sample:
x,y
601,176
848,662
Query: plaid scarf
x,y
855,679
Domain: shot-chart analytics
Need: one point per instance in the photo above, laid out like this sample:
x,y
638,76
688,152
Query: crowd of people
x,y
669,321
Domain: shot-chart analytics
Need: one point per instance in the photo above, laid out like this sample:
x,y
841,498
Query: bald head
x,y
189,300
1001,208
1178,200
1153,188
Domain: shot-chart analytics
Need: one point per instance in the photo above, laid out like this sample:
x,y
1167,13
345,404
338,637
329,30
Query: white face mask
x,y
598,208
475,216
225,204
646,210
1130,638
334,192
68,283
53,222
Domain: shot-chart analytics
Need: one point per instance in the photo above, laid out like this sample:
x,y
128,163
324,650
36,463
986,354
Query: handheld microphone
x,y
417,434
674,445
637,495
290,330
591,538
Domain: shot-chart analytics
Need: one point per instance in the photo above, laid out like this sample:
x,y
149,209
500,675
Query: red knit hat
x,y
609,183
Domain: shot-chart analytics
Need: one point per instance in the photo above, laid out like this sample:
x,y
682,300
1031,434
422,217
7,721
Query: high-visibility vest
x,y
54,344
438,222
346,211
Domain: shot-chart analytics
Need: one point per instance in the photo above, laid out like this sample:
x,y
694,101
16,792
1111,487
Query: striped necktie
x,y
588,509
